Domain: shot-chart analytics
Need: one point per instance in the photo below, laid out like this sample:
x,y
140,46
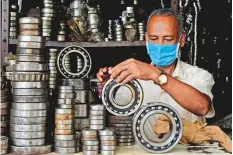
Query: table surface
x,y
177,150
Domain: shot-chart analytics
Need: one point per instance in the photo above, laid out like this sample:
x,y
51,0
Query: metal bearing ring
x,y
65,143
29,84
147,139
30,44
30,67
30,58
29,20
27,113
30,33
27,135
30,92
64,150
31,38
122,110
30,99
29,76
32,150
28,27
85,56
24,128
30,51
28,142
28,120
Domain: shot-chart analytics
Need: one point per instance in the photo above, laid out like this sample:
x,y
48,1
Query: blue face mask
x,y
162,55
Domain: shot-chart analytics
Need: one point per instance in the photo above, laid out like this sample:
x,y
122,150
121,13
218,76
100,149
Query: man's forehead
x,y
163,24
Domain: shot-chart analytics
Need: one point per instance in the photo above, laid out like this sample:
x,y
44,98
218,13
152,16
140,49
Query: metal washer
x,y
74,49
129,109
157,108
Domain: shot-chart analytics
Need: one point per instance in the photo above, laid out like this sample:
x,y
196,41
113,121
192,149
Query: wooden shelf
x,y
89,44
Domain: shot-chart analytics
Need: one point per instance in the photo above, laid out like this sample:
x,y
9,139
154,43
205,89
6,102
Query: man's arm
x,y
187,96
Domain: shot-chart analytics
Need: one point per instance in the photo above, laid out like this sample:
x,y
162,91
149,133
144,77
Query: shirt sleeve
x,y
204,82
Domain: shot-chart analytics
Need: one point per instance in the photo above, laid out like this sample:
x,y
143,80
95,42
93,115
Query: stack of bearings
x,y
13,16
79,64
110,30
78,9
4,145
123,129
81,101
30,91
65,140
97,117
141,30
67,62
4,105
48,13
52,69
130,13
90,142
118,32
62,33
107,142
93,19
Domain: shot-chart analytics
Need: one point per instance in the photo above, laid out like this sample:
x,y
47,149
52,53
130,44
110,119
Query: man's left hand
x,y
134,69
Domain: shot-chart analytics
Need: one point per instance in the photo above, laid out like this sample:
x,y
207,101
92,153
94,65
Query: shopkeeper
x,y
167,79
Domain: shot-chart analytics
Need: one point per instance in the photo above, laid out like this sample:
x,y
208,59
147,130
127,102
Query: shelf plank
x,y
90,44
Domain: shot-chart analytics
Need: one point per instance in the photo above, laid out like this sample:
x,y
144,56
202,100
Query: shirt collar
x,y
178,72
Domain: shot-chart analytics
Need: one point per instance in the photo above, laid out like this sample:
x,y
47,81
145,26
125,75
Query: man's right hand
x,y
103,74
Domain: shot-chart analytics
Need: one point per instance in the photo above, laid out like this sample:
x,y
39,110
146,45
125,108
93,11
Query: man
x,y
167,79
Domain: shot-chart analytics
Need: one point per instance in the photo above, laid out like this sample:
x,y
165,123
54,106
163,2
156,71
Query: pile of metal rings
x,y
13,23
62,32
78,9
4,105
110,29
97,117
52,57
4,145
90,142
30,91
118,32
144,120
107,142
82,101
48,14
65,141
141,30
123,129
93,19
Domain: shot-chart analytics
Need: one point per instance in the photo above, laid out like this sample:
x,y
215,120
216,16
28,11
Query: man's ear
x,y
182,39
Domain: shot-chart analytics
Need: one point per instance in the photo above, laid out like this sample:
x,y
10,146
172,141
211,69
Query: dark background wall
x,y
208,44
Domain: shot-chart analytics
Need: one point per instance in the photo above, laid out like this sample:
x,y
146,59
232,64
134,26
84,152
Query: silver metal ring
x,y
65,143
30,67
169,140
97,127
48,10
91,142
81,110
29,84
92,112
29,20
24,128
83,53
27,135
32,150
108,148
104,152
96,117
97,107
64,126
29,106
30,51
106,138
107,132
30,44
63,150
27,113
88,152
28,142
30,58
65,101
27,120
65,106
122,110
97,122
64,111
64,137
90,147
30,99
30,92
29,76
31,38
66,95
81,96
30,33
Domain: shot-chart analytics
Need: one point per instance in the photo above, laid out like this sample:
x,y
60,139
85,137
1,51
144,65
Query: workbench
x,y
177,150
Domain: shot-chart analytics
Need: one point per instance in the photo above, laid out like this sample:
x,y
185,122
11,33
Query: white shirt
x,y
191,75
